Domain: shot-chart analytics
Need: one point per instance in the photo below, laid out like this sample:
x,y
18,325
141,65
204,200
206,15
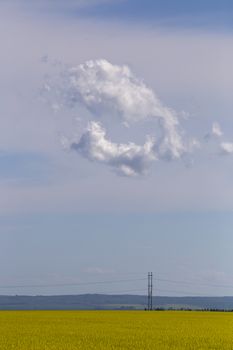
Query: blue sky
x,y
157,9
182,247
166,13
64,219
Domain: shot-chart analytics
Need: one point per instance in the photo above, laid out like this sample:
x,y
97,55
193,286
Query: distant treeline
x,y
113,302
190,309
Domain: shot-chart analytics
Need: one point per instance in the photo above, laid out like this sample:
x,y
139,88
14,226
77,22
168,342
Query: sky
x,y
116,146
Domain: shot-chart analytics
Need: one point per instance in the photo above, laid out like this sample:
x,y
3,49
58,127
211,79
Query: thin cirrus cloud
x,y
105,89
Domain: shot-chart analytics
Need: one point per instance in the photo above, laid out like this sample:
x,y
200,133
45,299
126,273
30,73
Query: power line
x,y
106,282
70,284
195,283
126,291
185,293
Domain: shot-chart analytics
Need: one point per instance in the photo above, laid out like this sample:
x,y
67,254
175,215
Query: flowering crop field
x,y
110,330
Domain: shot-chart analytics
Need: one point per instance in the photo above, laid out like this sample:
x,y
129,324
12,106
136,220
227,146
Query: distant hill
x,y
110,302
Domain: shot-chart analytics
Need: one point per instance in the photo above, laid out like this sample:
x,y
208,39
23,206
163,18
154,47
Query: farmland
x,y
110,330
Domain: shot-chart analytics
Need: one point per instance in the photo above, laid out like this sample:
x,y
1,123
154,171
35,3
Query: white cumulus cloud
x,y
127,159
102,86
106,89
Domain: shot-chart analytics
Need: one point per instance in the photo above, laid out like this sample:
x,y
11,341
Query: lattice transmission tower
x,y
150,291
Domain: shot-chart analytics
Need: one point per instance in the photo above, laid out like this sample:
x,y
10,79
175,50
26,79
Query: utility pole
x,y
150,291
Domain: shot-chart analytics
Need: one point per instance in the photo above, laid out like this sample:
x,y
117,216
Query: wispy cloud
x,y
226,148
215,132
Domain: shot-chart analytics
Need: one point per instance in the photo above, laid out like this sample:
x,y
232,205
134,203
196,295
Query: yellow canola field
x,y
110,330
